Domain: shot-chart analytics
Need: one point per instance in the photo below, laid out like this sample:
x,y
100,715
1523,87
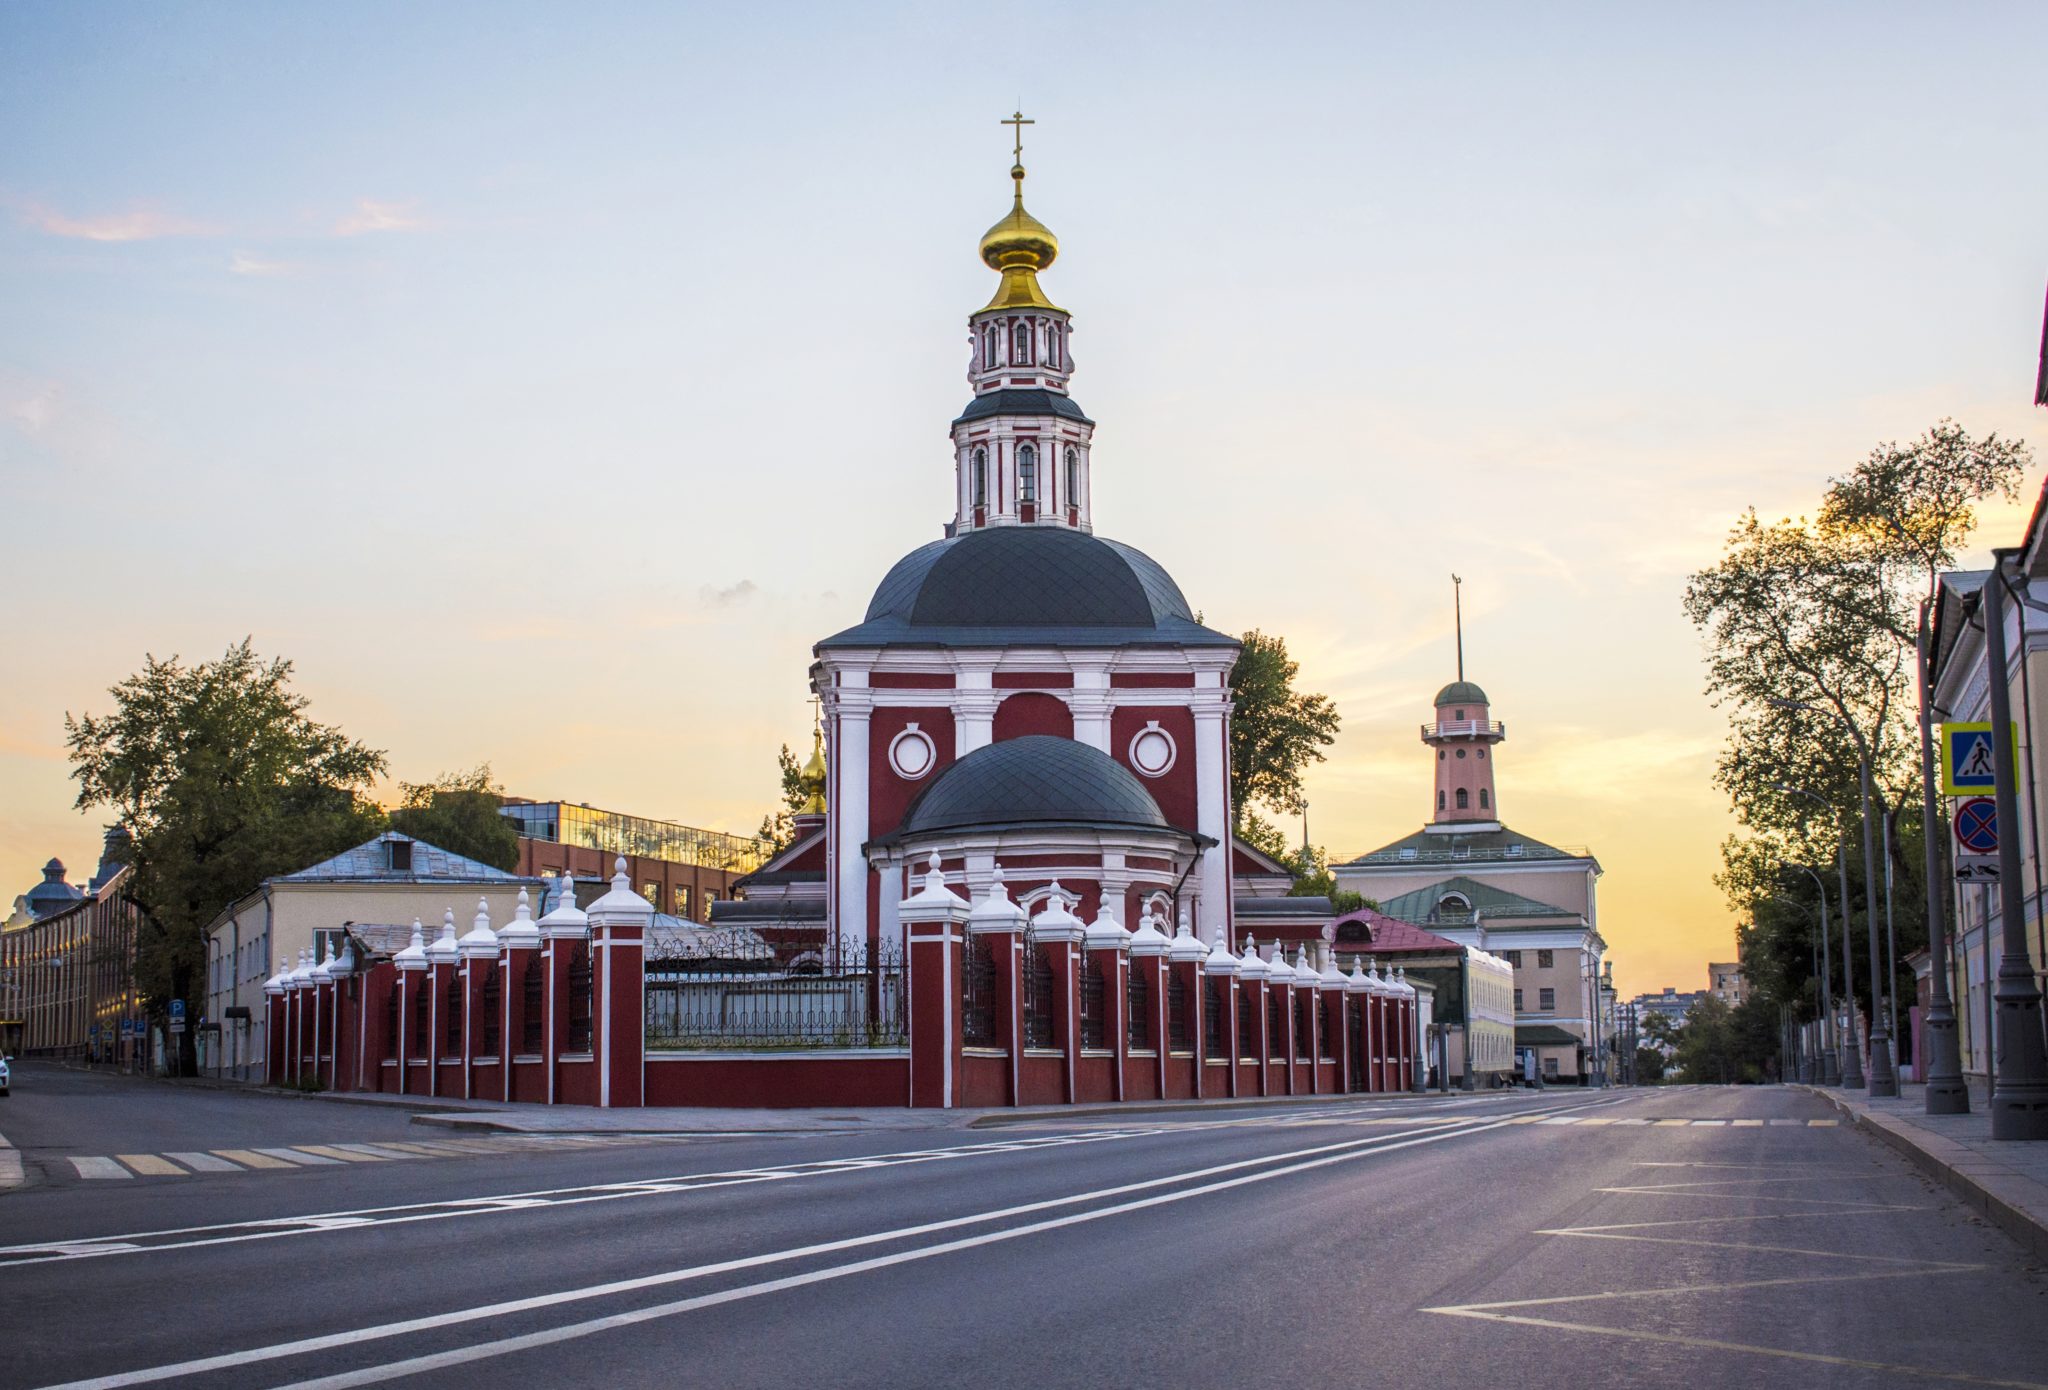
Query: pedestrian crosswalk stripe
x,y
1710,1122
250,1159
1821,1124
1668,1123
99,1168
304,1160
331,1153
150,1166
420,1149
1750,1124
205,1163
1784,1122
373,1150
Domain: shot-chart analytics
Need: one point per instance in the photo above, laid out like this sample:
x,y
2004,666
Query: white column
x,y
891,900
1089,705
850,805
974,708
1212,800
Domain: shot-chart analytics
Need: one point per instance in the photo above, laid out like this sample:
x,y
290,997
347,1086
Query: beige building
x,y
389,881
1962,694
1724,982
1468,877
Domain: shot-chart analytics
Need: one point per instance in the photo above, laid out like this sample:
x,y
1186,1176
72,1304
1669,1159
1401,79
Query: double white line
x,y
1208,1181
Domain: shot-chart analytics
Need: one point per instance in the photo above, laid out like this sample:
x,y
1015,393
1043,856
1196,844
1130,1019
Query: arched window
x,y
1020,343
988,346
978,478
1055,358
1463,799
1073,476
1027,473
1482,798
1439,796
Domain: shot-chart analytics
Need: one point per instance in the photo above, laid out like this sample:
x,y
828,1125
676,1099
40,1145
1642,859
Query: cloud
x,y
32,409
245,263
730,595
374,216
137,224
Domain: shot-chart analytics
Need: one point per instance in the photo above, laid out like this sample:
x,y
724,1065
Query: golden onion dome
x,y
812,776
1019,245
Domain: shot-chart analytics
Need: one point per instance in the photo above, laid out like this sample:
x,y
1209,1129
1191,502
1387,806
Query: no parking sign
x,y
1976,830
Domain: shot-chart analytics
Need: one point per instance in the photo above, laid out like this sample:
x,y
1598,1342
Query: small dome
x,y
1034,780
1019,241
53,894
1461,693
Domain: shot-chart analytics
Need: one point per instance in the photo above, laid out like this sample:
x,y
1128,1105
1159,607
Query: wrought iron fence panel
x,y
707,996
422,1016
532,1017
1212,1019
490,1008
1091,1002
391,1024
978,995
1247,1025
1138,996
1276,1031
579,1000
1039,1029
1176,1013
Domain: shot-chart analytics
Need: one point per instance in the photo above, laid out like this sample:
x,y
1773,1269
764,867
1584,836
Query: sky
x,y
544,380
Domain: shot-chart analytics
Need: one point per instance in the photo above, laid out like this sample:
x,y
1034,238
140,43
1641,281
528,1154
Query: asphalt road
x,y
1566,1239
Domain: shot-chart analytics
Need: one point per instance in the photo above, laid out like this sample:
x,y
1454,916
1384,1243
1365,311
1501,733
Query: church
x,y
1024,691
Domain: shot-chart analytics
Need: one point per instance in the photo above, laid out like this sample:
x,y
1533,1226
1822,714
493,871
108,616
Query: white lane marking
x,y
206,1163
99,1168
304,1160
1326,1154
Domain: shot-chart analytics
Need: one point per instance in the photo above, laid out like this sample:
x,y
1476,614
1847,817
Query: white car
x,y
3,1074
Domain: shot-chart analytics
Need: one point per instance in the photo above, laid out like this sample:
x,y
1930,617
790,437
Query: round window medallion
x,y
912,753
1153,751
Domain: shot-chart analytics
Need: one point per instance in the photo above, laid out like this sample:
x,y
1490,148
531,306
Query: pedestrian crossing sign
x,y
1966,761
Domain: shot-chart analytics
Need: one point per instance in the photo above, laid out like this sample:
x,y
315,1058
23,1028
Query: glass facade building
x,y
612,833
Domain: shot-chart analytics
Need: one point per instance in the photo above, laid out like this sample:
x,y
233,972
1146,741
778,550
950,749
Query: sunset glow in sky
x,y
543,380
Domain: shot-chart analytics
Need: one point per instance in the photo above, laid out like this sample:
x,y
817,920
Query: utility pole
x,y
2019,1095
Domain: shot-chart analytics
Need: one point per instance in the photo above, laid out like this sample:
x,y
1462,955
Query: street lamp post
x,y
2019,1094
1829,1075
1943,1072
1883,1080
1850,1073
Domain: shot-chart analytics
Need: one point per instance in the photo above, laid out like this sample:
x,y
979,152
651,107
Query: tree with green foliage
x,y
459,812
221,781
1276,732
1823,615
778,827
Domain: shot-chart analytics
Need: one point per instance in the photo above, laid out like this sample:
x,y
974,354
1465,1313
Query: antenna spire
x,y
1458,612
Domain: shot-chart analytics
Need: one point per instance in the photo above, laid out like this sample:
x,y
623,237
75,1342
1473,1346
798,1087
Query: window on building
x,y
710,897
1482,799
1513,958
1027,473
651,892
1546,1001
979,479
1463,799
682,904
398,856
1073,477
1546,959
1439,795
1550,1068
988,346
1518,1001
1020,343
1055,345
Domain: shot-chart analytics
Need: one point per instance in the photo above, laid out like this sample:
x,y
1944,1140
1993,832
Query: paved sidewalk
x,y
2006,1180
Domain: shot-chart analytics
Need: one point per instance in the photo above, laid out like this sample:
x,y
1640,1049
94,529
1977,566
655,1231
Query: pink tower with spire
x,y
1464,738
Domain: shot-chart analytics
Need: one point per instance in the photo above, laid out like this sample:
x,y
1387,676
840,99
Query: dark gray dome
x,y
1461,693
1034,780
53,894
1010,576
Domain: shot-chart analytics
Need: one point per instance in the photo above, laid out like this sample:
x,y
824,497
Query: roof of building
x,y
1446,846
1387,935
1022,402
1544,1035
1462,692
1306,907
1955,602
1422,904
53,894
768,912
1041,585
369,862
1034,780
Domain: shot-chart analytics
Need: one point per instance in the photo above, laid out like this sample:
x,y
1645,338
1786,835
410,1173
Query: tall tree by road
x,y
1275,733
458,811
221,780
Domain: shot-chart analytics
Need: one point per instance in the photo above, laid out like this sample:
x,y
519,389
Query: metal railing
x,y
1465,728
704,997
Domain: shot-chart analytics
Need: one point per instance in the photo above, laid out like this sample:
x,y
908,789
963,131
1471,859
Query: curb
x,y
11,1174
2003,1197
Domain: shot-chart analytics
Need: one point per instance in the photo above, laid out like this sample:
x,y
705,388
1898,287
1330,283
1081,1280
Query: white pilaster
x,y
850,805
1212,800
